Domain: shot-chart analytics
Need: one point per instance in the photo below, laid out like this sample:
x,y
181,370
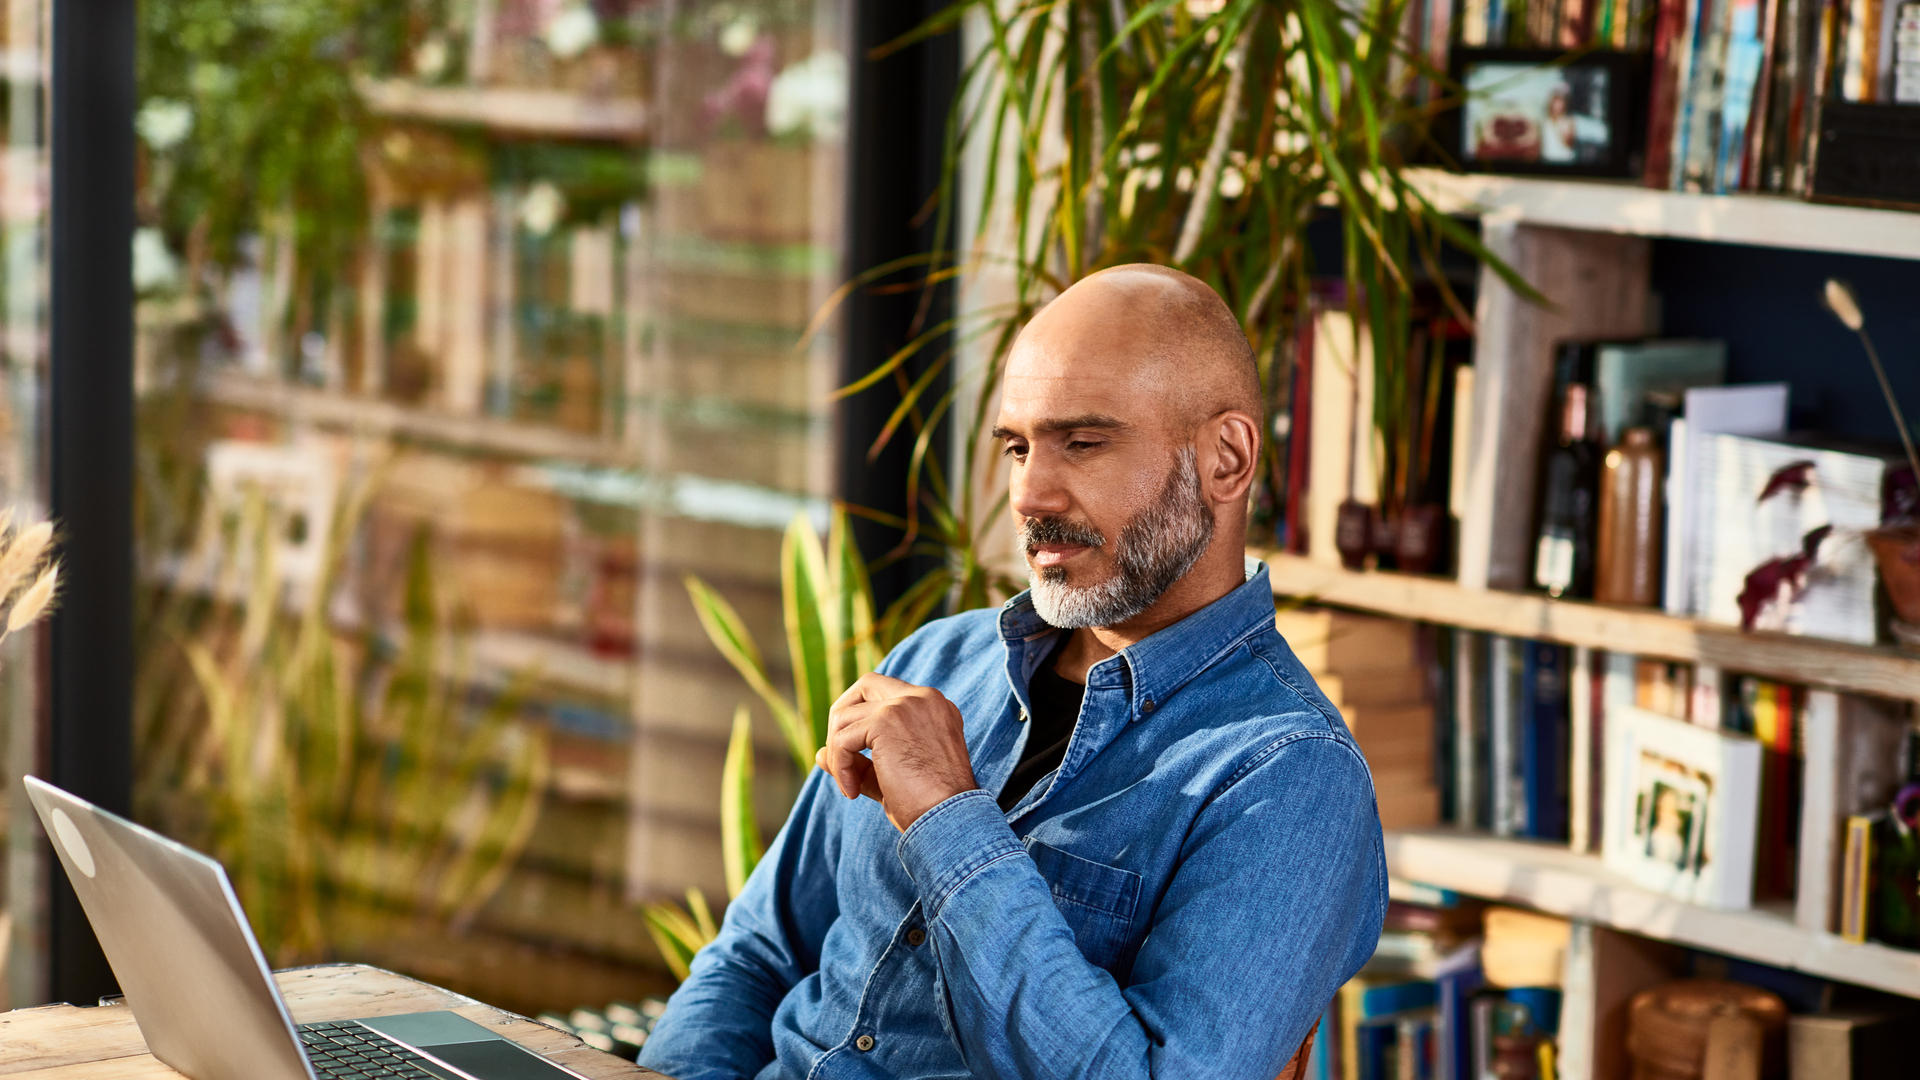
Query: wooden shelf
x,y
1861,669
1550,878
1627,208
460,431
510,109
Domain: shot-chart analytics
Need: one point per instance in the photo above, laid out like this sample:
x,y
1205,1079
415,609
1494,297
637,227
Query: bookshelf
x,y
1589,247
1547,877
1627,208
512,110
1882,671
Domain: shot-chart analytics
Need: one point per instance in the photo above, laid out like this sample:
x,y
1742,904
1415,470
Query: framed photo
x,y
1682,805
1544,112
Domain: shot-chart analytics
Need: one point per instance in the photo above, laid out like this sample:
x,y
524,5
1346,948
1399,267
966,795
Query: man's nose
x,y
1037,488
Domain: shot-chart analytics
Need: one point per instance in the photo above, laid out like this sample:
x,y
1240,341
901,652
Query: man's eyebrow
x,y
1099,421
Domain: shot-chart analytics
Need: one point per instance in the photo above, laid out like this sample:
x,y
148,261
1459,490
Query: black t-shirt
x,y
1056,708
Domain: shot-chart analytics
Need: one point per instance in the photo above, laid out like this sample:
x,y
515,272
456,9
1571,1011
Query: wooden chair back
x,y
1296,1068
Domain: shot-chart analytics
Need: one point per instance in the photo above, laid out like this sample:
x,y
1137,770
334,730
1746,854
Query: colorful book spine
x,y
1856,877
1669,50
1544,740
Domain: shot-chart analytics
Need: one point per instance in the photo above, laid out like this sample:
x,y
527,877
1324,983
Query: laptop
x,y
199,986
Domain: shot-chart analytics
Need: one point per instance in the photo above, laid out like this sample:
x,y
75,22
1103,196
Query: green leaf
x,y
728,633
803,585
740,845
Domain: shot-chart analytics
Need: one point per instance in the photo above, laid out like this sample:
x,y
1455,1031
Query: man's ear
x,y
1230,456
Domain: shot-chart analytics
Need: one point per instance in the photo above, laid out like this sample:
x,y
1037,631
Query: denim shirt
x,y
1180,899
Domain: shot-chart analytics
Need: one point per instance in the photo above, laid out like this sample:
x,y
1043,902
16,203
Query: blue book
x,y
1544,739
1458,976
1378,1040
1376,1001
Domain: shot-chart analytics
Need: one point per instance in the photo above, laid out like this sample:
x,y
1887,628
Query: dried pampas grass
x,y
29,576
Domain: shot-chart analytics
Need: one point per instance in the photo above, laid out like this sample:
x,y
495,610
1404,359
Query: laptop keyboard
x,y
345,1050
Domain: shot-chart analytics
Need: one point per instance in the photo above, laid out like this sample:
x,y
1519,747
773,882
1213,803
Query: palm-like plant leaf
x,y
740,844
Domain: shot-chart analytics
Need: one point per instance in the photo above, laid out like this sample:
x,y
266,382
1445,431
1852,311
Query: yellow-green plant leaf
x,y
853,593
675,934
803,581
702,914
728,633
740,845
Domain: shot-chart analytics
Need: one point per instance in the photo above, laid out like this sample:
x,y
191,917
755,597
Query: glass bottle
x,y
1563,552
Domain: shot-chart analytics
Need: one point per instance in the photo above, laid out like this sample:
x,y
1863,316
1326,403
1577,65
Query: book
x,y
1778,535
1669,57
1368,997
1756,128
1643,384
1582,681
1856,876
1744,59
1682,804
1505,779
1524,948
1472,746
1706,89
1774,711
1544,740
1414,1046
1458,976
1754,409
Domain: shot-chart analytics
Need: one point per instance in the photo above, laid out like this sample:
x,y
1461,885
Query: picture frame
x,y
1544,112
1682,807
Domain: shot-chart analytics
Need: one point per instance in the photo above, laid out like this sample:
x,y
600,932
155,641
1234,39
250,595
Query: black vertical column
x,y
900,107
90,425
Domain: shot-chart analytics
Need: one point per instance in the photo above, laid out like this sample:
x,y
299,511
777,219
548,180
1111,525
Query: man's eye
x,y
1082,444
1015,451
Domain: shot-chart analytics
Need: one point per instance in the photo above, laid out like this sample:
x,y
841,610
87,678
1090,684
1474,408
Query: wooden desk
x,y
61,1042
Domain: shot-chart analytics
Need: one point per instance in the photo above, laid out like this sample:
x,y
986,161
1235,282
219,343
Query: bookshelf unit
x,y
1588,247
1547,877
1626,208
1881,671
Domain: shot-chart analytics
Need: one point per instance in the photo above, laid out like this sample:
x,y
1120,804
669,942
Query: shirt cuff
x,y
952,842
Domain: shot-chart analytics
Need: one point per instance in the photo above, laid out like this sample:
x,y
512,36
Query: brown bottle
x,y
1627,559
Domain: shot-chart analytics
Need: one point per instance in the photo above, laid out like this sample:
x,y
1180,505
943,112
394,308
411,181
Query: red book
x,y
1669,24
1757,122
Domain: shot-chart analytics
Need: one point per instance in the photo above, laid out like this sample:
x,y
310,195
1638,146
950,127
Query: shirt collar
x,y
1160,664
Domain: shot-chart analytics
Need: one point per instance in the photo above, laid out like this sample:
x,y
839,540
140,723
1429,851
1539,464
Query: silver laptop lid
x,y
179,943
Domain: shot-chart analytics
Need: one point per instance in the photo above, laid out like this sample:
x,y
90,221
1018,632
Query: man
x,y
1112,829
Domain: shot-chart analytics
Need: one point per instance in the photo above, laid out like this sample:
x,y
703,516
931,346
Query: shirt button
x,y
864,1042
916,937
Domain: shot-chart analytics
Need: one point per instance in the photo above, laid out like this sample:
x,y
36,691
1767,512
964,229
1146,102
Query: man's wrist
x,y
905,819
952,840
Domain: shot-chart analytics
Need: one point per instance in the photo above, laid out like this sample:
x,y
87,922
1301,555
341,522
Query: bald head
x,y
1151,328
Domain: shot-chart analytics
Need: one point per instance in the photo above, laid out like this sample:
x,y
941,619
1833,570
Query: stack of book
x,y
1378,673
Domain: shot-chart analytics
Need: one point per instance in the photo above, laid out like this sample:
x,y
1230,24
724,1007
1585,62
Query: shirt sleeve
x,y
1278,900
719,1023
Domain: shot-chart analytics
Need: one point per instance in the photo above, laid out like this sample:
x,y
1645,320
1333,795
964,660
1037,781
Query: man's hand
x,y
919,747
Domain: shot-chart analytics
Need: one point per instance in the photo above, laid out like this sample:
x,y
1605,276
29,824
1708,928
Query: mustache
x,y
1053,530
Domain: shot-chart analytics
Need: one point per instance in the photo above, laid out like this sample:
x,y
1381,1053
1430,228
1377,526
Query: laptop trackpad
x,y
498,1059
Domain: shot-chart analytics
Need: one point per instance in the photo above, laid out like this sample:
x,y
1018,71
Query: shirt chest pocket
x,y
1097,901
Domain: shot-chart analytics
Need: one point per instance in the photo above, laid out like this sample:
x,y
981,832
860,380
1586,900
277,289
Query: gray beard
x,y
1153,551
